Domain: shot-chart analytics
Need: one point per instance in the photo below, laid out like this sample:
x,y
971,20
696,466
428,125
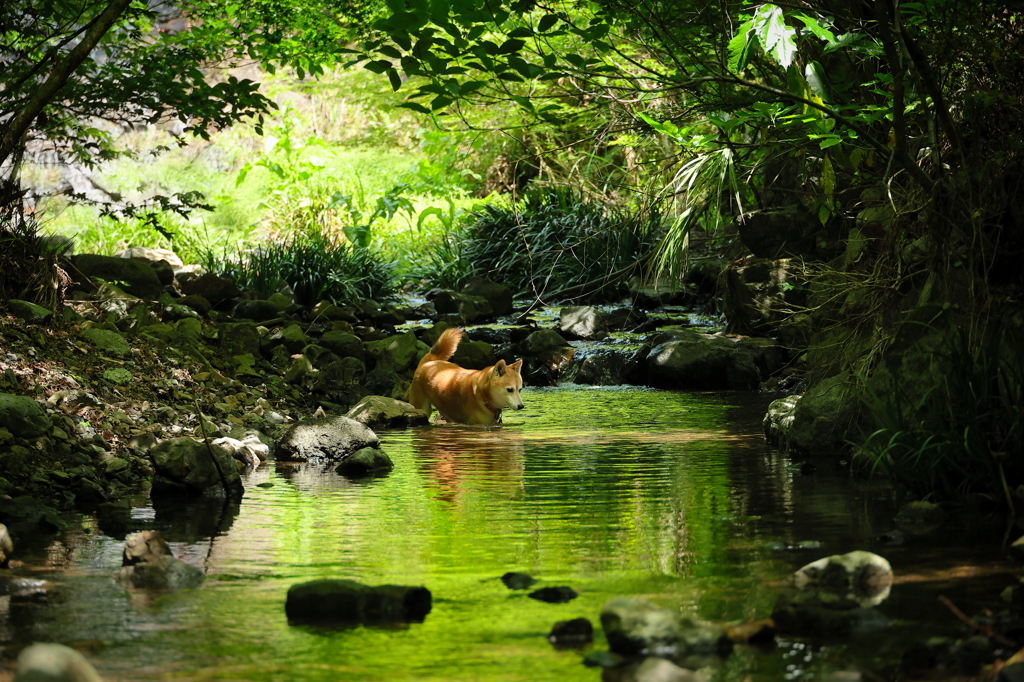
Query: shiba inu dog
x,y
464,395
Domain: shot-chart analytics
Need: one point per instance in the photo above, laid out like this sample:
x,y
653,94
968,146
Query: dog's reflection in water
x,y
462,458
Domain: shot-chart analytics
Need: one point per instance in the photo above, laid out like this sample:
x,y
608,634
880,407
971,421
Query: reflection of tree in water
x,y
457,459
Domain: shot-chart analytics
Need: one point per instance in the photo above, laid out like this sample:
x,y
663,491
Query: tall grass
x,y
963,435
552,244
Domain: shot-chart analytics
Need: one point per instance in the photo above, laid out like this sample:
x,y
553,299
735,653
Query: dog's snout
x,y
520,406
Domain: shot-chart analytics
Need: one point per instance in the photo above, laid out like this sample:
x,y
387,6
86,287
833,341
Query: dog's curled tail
x,y
446,344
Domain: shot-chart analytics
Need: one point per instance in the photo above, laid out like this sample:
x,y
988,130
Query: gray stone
x,y
28,311
187,467
6,545
379,412
319,356
246,453
107,341
162,573
255,310
54,663
814,613
347,601
325,439
139,278
582,322
704,361
462,306
859,576
23,416
498,296
364,462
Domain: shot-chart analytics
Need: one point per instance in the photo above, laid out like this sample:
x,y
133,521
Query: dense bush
x,y
316,265
552,244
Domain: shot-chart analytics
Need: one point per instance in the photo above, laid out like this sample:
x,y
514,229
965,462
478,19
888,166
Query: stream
x,y
611,491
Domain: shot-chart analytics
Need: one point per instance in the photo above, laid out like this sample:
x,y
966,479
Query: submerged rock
x,y
572,633
690,359
162,573
366,462
554,595
147,545
636,626
54,663
919,518
347,601
518,581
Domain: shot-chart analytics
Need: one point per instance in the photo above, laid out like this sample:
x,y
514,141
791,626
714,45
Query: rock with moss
x,y
238,338
691,360
23,417
365,462
186,467
107,341
823,417
28,311
380,412
395,353
135,277
498,296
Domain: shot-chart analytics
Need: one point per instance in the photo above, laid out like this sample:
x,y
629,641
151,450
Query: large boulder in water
x,y
822,419
689,359
186,467
634,626
378,412
324,439
43,662
347,601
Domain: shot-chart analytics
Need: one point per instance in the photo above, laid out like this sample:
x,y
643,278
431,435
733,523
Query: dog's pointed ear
x,y
499,368
517,365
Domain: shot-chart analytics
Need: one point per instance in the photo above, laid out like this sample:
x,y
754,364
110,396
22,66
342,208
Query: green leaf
x,y
389,51
521,32
739,52
440,102
511,45
415,106
546,22
396,80
817,29
830,141
378,66
815,76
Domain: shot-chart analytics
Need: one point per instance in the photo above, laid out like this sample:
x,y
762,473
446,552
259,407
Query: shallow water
x,y
611,491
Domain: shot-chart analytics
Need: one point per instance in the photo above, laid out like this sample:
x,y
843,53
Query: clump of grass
x,y
963,435
29,263
317,265
552,244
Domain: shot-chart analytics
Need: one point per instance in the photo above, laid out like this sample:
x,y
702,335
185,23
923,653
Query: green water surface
x,y
611,491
